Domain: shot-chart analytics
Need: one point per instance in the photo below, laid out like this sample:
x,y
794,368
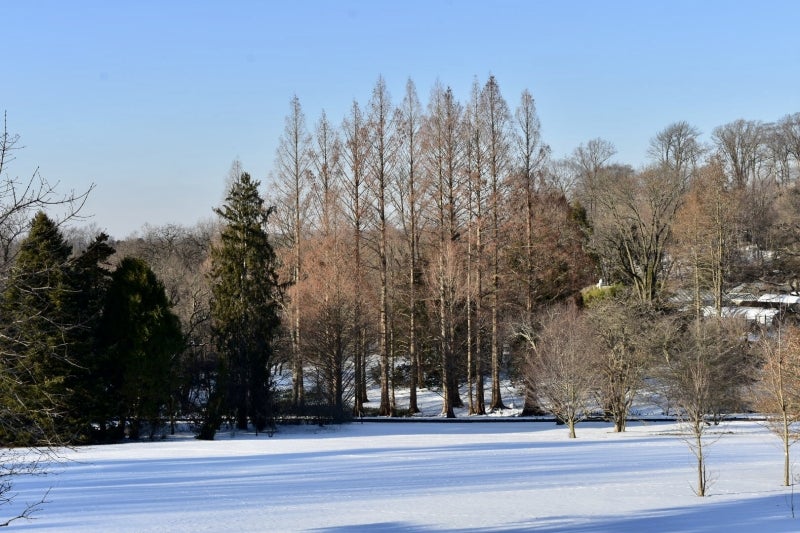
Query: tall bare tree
x,y
411,192
779,160
355,157
789,127
706,232
293,165
677,149
496,118
444,154
383,150
530,156
330,327
474,167
742,146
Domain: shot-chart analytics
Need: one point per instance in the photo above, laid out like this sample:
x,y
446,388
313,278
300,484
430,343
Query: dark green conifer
x,y
35,338
142,338
244,310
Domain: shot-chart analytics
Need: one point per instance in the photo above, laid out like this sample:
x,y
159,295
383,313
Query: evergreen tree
x,y
141,337
89,280
244,310
35,354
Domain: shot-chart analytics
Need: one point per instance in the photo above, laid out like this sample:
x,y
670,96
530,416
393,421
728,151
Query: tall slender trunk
x,y
359,378
412,327
383,346
702,478
298,385
470,356
497,399
385,407
787,443
444,345
480,388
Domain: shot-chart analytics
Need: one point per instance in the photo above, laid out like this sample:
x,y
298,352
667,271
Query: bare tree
x,y
382,141
355,158
411,192
706,368
789,127
293,163
677,149
779,159
633,226
331,337
622,360
474,167
20,198
496,117
706,233
443,161
776,391
562,363
739,142
530,156
562,175
589,160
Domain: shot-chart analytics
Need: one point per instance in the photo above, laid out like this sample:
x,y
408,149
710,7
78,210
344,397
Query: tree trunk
x,y
787,432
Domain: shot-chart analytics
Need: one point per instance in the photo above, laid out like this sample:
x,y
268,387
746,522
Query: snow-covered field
x,y
418,476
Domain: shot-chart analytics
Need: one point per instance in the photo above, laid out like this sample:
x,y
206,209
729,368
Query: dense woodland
x,y
414,245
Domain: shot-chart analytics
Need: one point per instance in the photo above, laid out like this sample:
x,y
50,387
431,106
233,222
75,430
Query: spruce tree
x,y
35,355
244,310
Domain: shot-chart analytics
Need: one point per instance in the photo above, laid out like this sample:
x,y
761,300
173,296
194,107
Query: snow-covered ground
x,y
421,476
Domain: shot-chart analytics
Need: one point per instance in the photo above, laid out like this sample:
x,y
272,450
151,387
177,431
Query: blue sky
x,y
153,100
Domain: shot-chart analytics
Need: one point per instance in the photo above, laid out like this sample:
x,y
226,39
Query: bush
x,y
590,296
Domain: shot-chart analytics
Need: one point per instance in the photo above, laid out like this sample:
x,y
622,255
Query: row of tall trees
x,y
439,224
457,226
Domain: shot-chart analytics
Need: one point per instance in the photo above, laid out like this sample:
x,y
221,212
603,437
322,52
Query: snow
x,y
420,476
786,299
753,314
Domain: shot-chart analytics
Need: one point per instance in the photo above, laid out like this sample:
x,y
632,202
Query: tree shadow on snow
x,y
769,513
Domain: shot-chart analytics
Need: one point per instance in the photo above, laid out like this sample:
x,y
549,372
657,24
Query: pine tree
x,y
244,309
